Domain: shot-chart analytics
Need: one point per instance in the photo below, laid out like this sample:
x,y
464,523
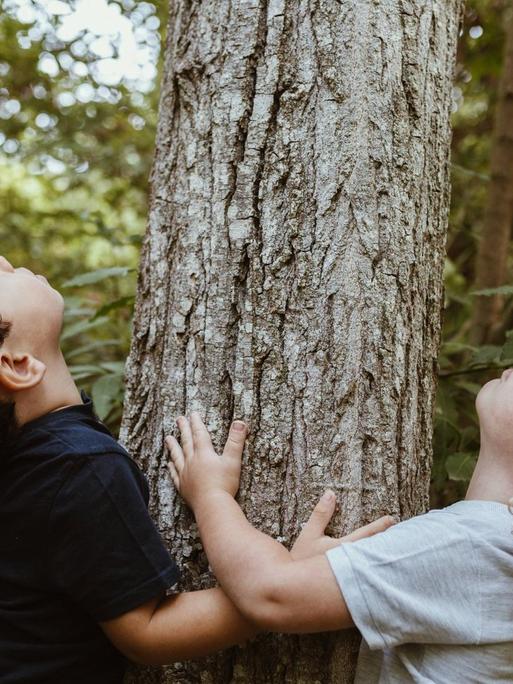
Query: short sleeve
x,y
104,551
418,582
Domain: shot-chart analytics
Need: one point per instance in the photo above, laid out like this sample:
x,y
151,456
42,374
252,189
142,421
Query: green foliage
x,y
504,290
94,277
460,466
96,336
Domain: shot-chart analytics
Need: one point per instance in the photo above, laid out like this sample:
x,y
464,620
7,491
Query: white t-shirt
x,y
433,597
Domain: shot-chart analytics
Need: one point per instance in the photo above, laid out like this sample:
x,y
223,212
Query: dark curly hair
x,y
5,328
8,424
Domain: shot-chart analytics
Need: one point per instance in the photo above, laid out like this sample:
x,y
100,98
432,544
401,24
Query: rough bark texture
x,y
292,273
492,256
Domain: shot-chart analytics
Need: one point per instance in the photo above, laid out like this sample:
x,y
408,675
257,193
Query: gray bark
x,y
291,273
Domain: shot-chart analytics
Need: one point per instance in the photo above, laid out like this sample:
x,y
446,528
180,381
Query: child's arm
x,y
261,577
179,627
194,624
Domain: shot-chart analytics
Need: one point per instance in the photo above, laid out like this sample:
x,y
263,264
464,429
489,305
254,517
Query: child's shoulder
x,y
89,476
74,439
73,451
474,518
472,510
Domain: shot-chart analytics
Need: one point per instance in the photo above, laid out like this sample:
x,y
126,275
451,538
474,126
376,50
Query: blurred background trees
x,y
78,108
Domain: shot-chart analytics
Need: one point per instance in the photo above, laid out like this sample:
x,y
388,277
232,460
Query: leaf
x,y
449,348
492,291
78,313
117,367
97,276
77,377
507,350
105,392
460,466
470,172
488,353
92,346
111,306
76,306
81,327
81,371
471,387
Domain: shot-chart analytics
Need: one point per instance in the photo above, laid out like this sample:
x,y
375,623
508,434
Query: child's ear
x,y
20,371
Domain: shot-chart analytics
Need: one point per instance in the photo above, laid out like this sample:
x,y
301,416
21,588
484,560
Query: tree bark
x,y
492,255
291,273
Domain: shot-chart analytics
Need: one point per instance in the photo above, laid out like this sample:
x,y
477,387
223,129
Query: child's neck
x,y
493,477
56,390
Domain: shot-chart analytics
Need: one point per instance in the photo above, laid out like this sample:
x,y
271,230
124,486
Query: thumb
x,y
236,439
321,514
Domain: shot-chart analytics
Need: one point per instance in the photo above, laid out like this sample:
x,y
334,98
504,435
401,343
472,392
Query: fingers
x,y
321,515
372,528
186,436
176,453
236,438
174,475
200,437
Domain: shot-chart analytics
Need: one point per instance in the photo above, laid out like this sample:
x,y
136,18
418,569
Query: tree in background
x,y
292,272
492,257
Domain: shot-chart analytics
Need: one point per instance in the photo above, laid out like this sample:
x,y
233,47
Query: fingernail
x,y
328,495
239,426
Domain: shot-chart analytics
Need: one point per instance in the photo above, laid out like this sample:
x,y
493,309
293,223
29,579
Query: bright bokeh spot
x,y
122,48
476,32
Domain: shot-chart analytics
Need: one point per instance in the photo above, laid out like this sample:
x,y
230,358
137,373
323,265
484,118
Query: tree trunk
x,y
292,273
492,256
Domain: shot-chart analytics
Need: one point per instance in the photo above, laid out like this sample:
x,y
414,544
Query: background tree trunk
x,y
492,256
292,273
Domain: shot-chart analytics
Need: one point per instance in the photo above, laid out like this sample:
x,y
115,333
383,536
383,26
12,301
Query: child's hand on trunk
x,y
196,469
313,540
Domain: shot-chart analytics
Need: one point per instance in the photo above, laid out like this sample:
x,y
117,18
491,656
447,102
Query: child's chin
x,y
484,398
59,297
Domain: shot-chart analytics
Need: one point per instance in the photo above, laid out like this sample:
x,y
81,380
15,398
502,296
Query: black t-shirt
x,y
77,547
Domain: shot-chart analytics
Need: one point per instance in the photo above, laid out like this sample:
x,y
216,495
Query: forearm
x,y
194,624
180,627
245,561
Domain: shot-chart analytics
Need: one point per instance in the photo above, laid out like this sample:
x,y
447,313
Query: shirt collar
x,y
83,410
478,505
